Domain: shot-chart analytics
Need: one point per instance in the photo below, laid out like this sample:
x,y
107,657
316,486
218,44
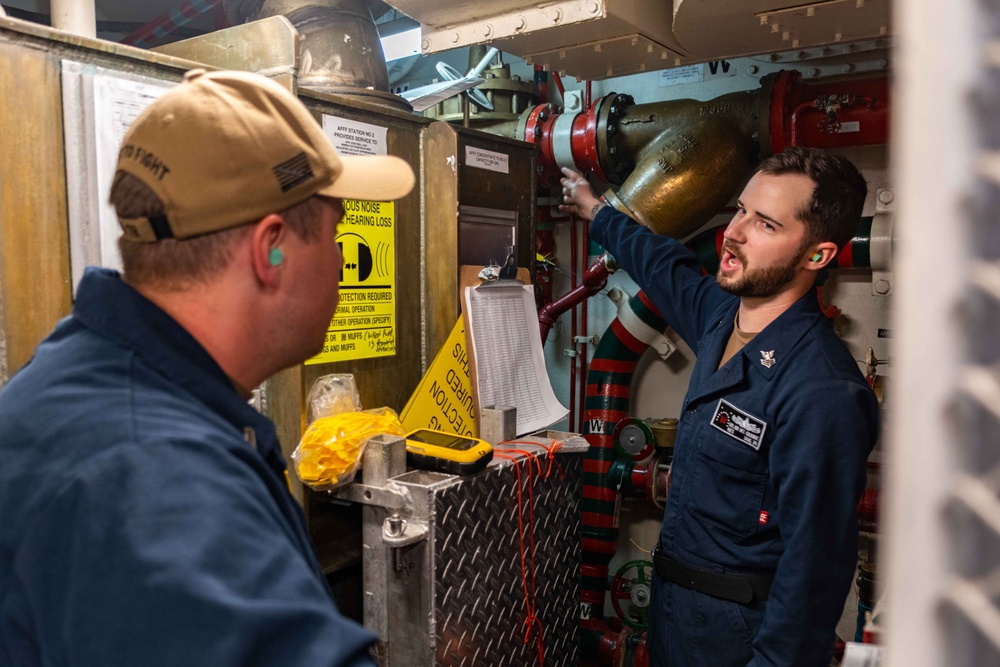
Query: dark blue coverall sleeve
x,y
170,555
820,536
667,272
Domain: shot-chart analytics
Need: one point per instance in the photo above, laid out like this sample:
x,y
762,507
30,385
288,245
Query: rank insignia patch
x,y
767,358
738,424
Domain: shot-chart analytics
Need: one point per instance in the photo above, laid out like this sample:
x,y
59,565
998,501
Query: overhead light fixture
x,y
401,45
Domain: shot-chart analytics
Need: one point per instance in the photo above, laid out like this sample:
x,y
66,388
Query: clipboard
x,y
468,276
525,385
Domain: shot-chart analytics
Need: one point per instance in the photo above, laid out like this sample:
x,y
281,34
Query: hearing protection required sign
x,y
364,325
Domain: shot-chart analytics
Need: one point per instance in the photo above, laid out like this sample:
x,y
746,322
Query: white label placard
x,y
99,105
862,655
685,74
352,137
850,126
482,159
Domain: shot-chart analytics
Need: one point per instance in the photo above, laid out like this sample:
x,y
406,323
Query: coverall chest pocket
x,y
728,482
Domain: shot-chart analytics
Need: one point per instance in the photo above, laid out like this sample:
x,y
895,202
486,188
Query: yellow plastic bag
x,y
329,452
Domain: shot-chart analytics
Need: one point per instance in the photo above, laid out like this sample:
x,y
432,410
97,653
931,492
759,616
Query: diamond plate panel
x,y
479,594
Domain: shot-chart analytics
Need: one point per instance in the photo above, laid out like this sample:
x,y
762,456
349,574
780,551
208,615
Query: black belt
x,y
742,588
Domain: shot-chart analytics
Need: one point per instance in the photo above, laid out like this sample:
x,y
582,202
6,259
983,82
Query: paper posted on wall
x,y
507,353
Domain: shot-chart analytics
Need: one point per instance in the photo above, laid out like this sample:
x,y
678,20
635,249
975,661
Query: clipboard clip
x,y
494,275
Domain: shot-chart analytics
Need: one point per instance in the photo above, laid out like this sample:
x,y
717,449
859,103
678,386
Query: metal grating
x,y
479,599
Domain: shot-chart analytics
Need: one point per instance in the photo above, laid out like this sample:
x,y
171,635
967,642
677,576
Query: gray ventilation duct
x,y
341,51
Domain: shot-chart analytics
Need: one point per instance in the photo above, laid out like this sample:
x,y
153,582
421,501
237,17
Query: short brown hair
x,y
834,211
175,264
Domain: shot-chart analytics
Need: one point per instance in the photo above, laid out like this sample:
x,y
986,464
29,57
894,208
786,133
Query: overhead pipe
x,y
163,25
827,115
75,16
676,163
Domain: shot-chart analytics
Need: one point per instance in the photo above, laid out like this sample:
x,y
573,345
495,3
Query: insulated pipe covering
x,y
609,389
75,16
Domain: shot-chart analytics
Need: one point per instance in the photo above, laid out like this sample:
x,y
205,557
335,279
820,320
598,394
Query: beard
x,y
758,283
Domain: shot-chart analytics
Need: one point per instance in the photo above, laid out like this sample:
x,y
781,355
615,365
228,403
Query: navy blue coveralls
x,y
768,468
144,513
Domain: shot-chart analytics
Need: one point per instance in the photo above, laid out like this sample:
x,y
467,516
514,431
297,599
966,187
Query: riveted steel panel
x,y
480,532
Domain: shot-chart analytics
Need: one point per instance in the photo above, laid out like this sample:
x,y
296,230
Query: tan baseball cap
x,y
227,148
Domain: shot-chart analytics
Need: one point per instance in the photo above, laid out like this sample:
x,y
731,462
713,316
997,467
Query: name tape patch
x,y
738,424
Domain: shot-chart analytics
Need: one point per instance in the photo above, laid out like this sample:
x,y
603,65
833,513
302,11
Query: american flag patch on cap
x,y
294,172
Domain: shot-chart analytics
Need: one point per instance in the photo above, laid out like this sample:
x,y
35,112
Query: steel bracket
x,y
391,497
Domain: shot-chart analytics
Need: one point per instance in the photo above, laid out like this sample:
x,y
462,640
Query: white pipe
x,y
478,69
75,16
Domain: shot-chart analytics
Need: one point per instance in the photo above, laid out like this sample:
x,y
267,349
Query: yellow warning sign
x,y
365,322
443,399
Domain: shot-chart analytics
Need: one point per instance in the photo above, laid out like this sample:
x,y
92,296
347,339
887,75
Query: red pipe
x,y
545,246
538,130
154,31
583,143
611,645
583,327
642,478
594,280
559,86
863,113
608,396
868,508
794,121
573,414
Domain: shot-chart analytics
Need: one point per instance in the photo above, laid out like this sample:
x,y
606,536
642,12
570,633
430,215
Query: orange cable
x,y
531,457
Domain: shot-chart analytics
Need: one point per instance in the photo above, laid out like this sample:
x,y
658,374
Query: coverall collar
x,y
109,306
764,353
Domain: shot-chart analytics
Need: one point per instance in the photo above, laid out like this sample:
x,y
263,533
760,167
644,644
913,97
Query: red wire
x,y
530,597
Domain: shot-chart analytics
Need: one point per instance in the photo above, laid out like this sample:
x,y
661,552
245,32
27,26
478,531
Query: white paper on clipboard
x,y
507,348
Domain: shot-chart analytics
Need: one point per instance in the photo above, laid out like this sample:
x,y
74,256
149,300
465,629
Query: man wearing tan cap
x,y
144,512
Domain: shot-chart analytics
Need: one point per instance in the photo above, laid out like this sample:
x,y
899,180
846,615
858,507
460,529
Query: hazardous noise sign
x,y
443,399
364,325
